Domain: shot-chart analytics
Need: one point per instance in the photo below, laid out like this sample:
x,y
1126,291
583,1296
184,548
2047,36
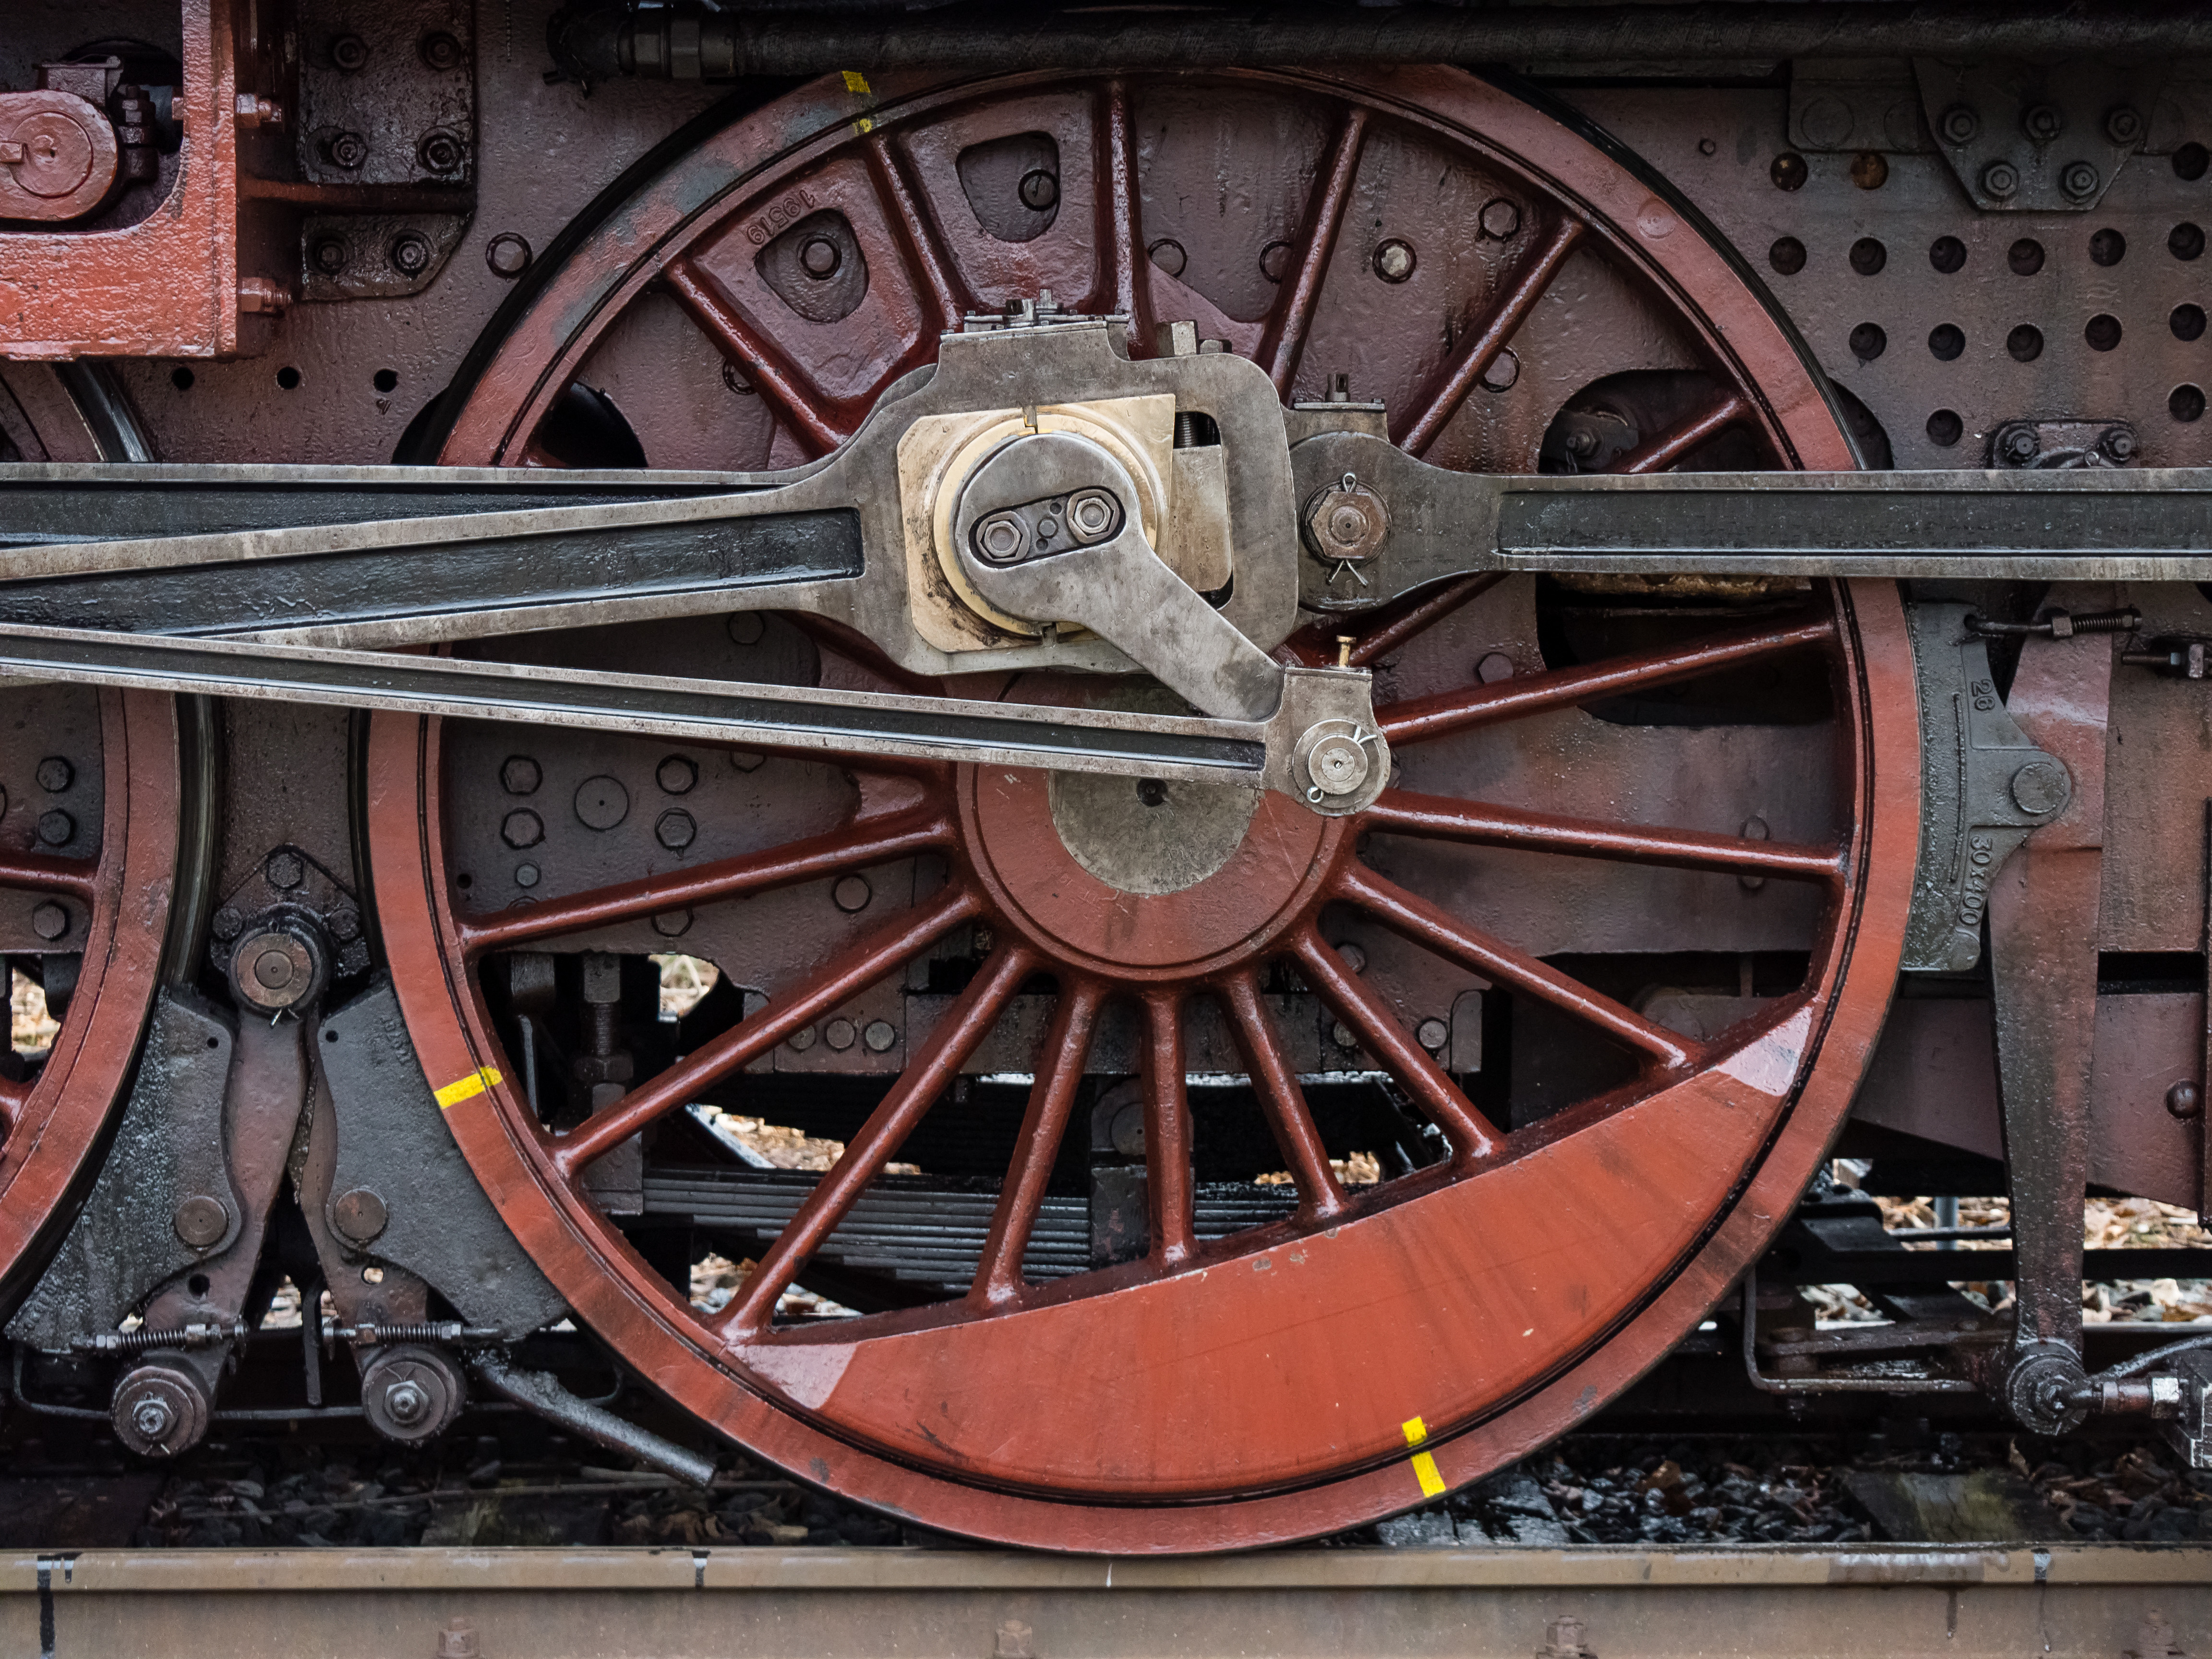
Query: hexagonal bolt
x,y
406,1402
677,775
2001,180
440,152
410,253
1395,260
226,924
522,828
329,255
1961,124
56,828
285,870
675,830
346,150
1092,515
2123,124
1001,539
1345,522
2042,123
349,54
55,774
50,921
1500,219
519,774
440,51
2079,179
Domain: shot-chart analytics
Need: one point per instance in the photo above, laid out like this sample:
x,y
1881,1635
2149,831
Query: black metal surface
x,y
924,1232
691,42
168,1147
392,1141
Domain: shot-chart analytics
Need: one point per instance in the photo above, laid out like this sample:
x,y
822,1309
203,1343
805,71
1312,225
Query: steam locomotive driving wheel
x,y
1332,1160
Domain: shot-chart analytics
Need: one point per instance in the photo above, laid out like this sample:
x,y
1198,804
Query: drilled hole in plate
x,y
1787,256
289,378
1945,428
1869,256
2102,332
2107,247
2191,160
1788,171
2185,241
2025,257
2187,322
1946,341
2186,403
2025,344
1868,342
181,377
1947,254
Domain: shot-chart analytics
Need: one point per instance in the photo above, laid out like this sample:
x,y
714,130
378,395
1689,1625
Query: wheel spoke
x,y
965,1024
1450,390
915,230
1471,1134
1052,1096
854,846
1663,451
1433,928
766,368
1319,1196
1421,718
41,872
1167,1132
1119,210
1284,342
882,953
1433,817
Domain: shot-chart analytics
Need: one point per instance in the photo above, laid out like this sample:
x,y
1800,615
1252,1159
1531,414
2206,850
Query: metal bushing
x,y
1340,765
281,961
359,1216
411,1394
1345,522
159,1410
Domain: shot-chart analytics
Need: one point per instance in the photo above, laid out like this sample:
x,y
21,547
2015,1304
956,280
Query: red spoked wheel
x,y
91,799
1566,801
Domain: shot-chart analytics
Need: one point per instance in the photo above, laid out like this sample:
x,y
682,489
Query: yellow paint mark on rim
x,y
856,81
469,1087
1424,1465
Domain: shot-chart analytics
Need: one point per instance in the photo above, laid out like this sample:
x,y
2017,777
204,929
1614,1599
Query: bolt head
x,y
329,256
521,775
2001,180
2042,122
410,253
406,1401
439,152
1001,539
522,828
675,830
2079,179
200,1221
1394,260
440,51
2021,446
2185,1101
50,921
349,54
1432,1034
1960,125
2041,787
1338,765
1500,219
1347,523
56,828
819,258
152,1418
879,1037
2123,124
349,150
55,774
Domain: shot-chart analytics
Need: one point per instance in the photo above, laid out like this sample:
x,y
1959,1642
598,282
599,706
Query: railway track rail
x,y
1912,1601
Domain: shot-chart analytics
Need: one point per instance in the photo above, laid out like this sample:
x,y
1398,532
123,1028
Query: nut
x,y
1395,260
519,774
1345,521
55,774
349,150
2042,123
440,152
675,830
2001,180
677,773
1500,219
509,255
57,828
522,828
2123,124
329,254
410,253
285,870
1961,124
2079,181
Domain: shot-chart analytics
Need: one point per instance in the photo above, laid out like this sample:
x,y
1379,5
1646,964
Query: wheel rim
x,y
1241,1391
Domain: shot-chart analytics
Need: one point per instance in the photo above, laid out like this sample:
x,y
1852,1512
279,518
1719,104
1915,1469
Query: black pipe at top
x,y
687,42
